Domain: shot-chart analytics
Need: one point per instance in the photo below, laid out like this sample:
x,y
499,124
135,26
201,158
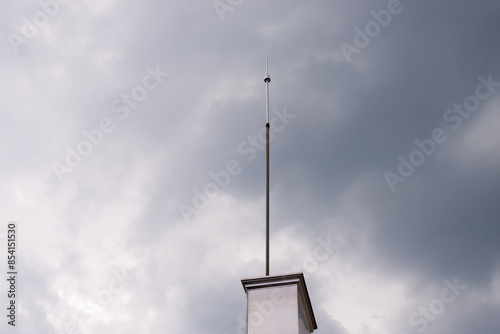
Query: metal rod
x,y
267,199
267,80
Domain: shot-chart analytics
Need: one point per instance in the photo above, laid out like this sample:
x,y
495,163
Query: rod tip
x,y
267,77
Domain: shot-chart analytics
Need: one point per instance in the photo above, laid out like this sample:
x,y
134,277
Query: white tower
x,y
277,304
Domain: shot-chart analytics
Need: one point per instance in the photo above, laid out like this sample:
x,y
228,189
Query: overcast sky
x,y
132,161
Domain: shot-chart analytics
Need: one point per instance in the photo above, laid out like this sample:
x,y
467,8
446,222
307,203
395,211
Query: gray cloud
x,y
119,207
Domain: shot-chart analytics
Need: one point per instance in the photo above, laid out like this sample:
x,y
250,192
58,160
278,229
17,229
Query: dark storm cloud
x,y
352,120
